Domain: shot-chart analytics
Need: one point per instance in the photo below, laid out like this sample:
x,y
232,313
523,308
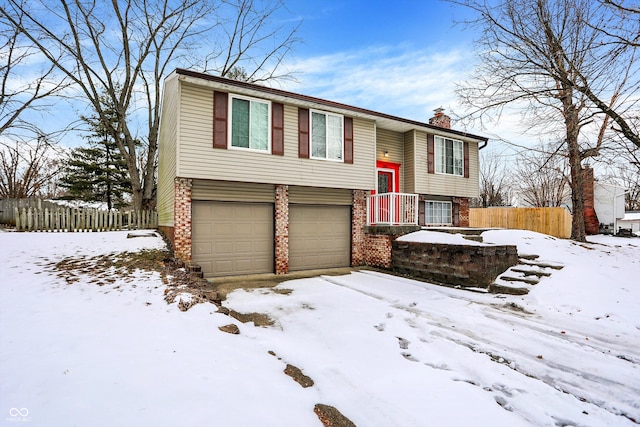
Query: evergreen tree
x,y
98,173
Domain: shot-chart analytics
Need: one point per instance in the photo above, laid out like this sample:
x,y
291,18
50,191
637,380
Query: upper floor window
x,y
327,136
250,123
449,156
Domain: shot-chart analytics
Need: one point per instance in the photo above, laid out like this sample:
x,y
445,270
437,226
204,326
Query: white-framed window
x,y
437,213
249,125
449,156
327,136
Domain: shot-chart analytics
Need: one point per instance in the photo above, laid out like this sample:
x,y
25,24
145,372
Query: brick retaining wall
x,y
463,265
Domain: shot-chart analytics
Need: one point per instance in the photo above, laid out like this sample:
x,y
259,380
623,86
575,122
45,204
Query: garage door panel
x,y
233,238
319,236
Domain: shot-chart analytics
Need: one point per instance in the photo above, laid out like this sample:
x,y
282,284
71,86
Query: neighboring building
x,y
259,180
631,221
604,204
609,205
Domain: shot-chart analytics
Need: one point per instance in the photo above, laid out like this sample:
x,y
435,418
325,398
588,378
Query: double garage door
x,y
236,238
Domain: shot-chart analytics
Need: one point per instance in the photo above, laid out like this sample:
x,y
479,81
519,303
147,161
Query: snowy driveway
x,y
385,351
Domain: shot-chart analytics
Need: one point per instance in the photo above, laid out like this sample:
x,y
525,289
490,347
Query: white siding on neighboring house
x,y
441,184
608,203
167,140
631,221
198,159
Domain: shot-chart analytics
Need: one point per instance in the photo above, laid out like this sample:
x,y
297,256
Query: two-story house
x,y
253,179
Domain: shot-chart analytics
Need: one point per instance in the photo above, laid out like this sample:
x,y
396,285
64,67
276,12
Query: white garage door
x,y
319,237
231,238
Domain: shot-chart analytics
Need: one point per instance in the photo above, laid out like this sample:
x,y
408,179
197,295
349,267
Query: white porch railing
x,y
392,209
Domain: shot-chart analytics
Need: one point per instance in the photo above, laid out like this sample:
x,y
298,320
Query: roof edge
x,y
307,98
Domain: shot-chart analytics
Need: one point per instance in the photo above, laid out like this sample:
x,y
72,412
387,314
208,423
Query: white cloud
x,y
396,80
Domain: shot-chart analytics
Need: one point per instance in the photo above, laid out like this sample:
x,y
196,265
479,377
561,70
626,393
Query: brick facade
x,y
182,219
378,250
591,222
463,210
358,222
282,229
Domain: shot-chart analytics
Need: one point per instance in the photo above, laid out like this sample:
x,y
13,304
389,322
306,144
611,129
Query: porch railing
x,y
392,209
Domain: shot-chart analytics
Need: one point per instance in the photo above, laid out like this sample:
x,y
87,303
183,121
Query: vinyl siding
x,y
197,158
168,137
409,178
391,142
228,191
445,185
320,196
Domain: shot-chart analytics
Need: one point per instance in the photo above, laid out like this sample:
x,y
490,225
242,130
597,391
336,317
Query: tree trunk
x,y
572,124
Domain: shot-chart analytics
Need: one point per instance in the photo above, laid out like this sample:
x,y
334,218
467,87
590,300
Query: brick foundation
x,y
463,210
182,219
282,229
378,250
358,222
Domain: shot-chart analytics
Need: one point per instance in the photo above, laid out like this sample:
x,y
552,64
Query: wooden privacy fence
x,y
553,221
74,219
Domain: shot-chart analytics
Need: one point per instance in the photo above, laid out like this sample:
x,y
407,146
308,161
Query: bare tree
x,y
545,56
540,178
494,181
20,93
125,49
28,169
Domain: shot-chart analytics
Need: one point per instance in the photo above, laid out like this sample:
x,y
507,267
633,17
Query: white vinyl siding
x,y
197,159
249,124
437,213
326,136
449,156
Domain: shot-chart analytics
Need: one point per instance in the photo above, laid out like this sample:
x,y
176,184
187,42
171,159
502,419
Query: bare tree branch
x,y
125,49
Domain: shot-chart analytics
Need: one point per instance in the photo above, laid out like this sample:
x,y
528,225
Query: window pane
x,y
240,123
458,158
334,131
259,126
318,135
440,155
449,155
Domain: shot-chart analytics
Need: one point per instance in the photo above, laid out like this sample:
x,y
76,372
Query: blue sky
x,y
401,58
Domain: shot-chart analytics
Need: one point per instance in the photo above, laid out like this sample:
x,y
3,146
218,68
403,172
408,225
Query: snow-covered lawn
x,y
384,351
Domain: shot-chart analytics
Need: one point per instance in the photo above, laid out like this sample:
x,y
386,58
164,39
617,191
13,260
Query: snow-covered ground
x,y
385,351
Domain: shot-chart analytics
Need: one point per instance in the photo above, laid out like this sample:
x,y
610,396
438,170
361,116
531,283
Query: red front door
x,y
388,175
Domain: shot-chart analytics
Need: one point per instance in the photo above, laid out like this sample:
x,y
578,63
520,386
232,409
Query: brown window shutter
x,y
431,153
277,128
348,140
220,106
465,148
456,214
303,133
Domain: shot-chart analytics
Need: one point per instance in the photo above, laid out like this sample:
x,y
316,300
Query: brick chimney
x,y
440,119
591,223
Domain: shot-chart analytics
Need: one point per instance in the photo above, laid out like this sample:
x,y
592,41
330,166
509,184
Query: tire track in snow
x,y
559,375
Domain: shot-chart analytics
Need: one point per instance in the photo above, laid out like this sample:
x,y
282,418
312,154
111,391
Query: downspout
x,y
485,144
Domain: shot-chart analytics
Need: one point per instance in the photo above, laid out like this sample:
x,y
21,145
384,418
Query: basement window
x,y
437,213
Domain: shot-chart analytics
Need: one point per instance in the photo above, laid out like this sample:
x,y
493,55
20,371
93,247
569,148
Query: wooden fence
x,y
8,208
553,221
74,219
